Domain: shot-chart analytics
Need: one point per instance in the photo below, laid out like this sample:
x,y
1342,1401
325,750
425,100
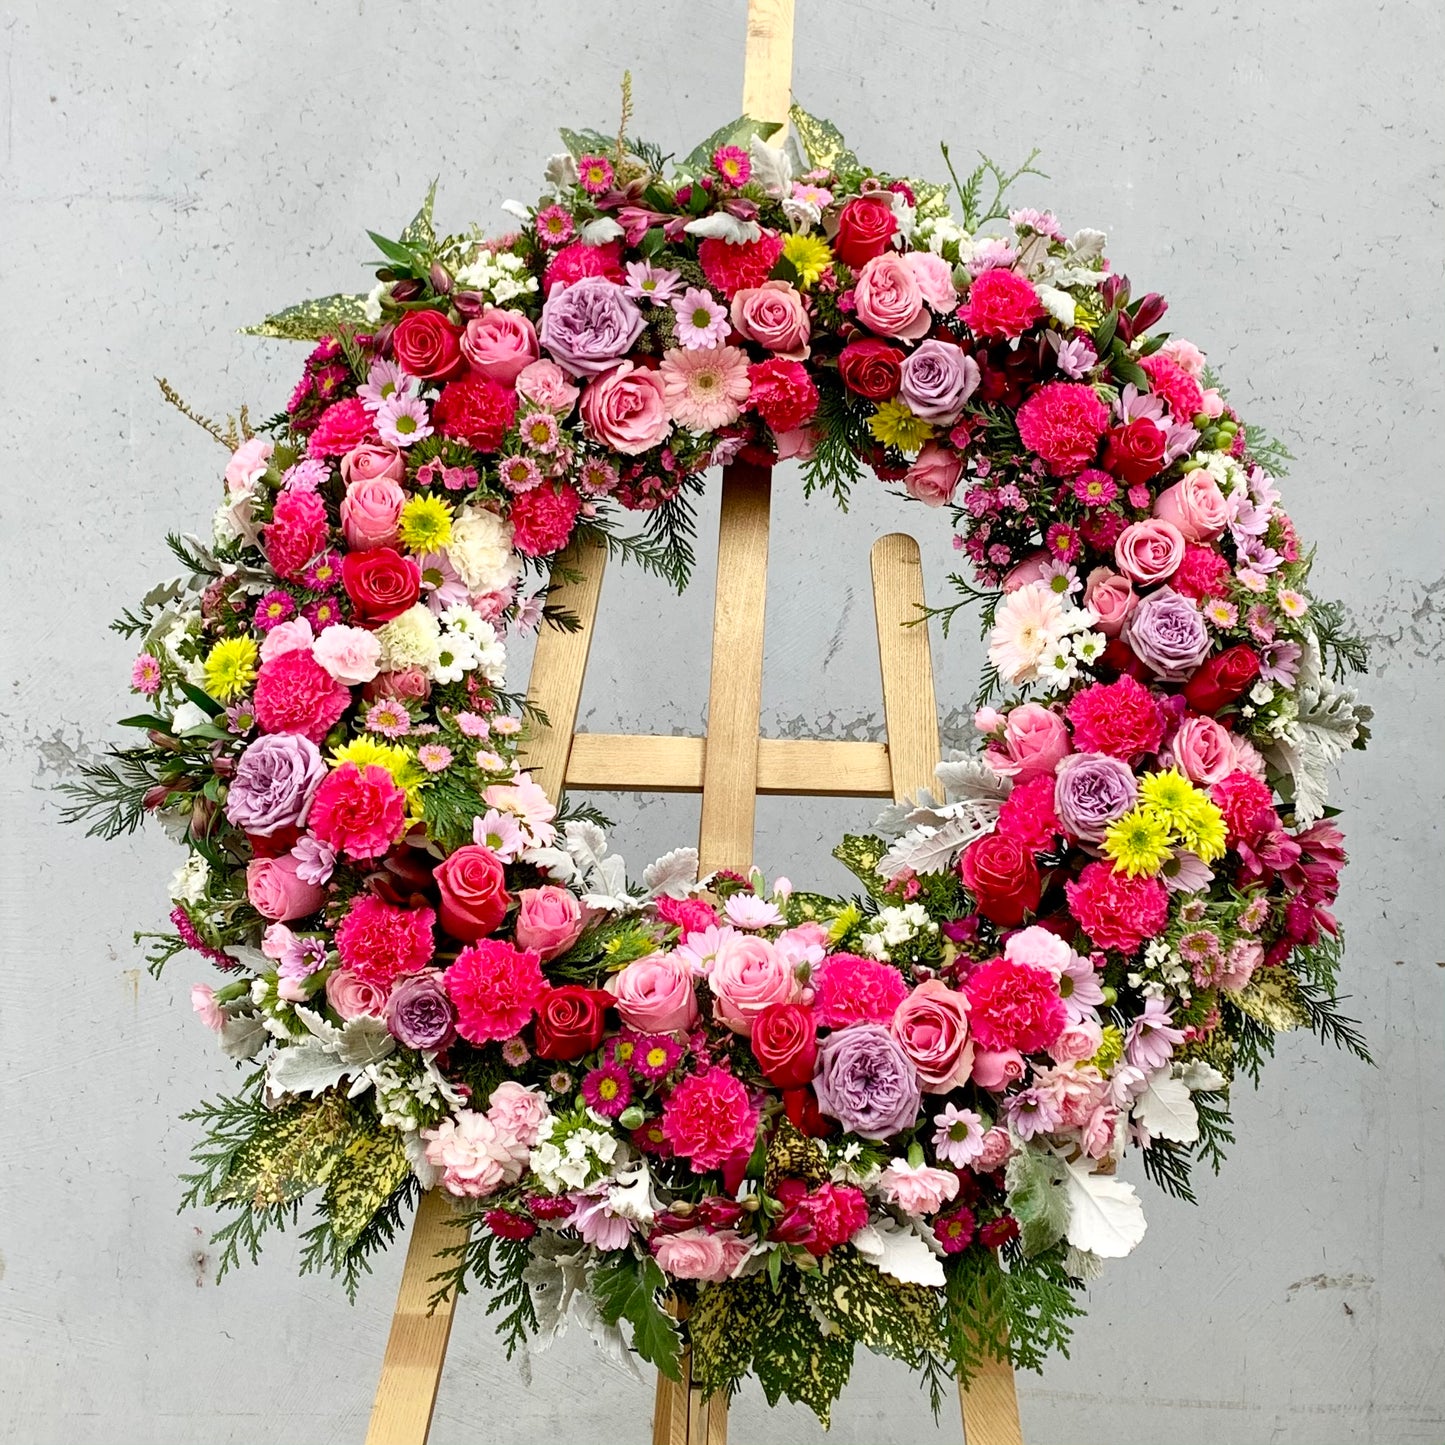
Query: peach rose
x,y
370,463
655,994
931,1026
370,511
887,299
698,1254
1112,597
549,921
623,410
746,977
1195,505
933,476
1150,551
773,316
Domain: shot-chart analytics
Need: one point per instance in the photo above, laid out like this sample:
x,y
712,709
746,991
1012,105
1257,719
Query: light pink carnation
x,y
917,1188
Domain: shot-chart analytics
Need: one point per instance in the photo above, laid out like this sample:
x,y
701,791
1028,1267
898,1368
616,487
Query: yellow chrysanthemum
x,y
1138,842
405,771
1111,1050
810,255
426,524
1202,829
231,668
849,917
895,426
1169,794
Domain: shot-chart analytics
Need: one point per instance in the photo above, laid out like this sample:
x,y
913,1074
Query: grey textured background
x,y
172,171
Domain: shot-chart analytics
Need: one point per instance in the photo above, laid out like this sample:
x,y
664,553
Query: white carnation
x,y
411,640
481,550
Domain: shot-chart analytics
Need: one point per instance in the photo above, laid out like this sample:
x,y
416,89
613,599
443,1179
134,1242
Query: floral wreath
x,y
891,1120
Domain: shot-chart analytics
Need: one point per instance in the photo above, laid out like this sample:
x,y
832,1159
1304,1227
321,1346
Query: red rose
x,y
865,228
426,344
1222,679
871,368
1001,874
785,1044
381,583
1134,452
570,1021
801,1107
473,889
476,410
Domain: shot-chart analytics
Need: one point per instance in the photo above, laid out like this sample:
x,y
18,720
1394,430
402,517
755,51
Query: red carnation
x,y
295,694
1203,573
379,942
1115,910
731,268
819,1220
1001,303
1168,379
1028,814
340,428
542,519
1001,874
476,410
782,393
866,227
1247,804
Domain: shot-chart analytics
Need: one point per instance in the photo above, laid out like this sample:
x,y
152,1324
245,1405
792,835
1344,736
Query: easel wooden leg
x,y
991,1406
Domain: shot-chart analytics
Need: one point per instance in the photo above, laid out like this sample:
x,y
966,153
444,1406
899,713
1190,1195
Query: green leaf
x,y
419,234
202,700
1105,332
292,1152
860,855
735,133
823,142
372,1166
628,1289
653,240
586,142
890,1317
395,251
1037,1197
793,1357
1124,367
146,720
311,320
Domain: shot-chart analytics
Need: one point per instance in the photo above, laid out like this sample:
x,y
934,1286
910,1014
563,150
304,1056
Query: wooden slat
x,y
768,63
796,767
909,708
417,1346
991,1406
560,663
735,691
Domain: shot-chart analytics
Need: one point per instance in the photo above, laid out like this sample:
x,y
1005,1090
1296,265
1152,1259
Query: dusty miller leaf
x,y
1105,1215
1038,1198
1166,1110
966,777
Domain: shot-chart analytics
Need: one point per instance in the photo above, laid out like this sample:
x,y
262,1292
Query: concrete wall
x,y
172,171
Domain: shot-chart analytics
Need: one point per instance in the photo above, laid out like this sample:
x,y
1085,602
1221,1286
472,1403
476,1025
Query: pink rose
x,y
773,316
293,636
408,684
1034,568
801,443
549,921
623,410
746,977
934,277
277,893
1077,1042
371,463
1149,551
697,1254
352,997
370,511
350,654
917,1189
1203,751
996,1069
933,476
656,994
888,299
1035,742
1112,597
931,1026
500,344
246,467
545,384
1195,505
210,1013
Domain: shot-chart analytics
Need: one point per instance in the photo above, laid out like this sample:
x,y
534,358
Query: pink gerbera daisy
x,y
145,675
701,320
732,164
705,390
554,226
402,420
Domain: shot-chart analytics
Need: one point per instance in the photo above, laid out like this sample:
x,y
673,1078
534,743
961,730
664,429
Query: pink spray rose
x,y
935,279
1035,742
933,476
773,316
1150,551
277,893
371,463
370,511
996,1069
746,977
931,1027
1195,505
549,921
1112,597
655,994
625,409
500,344
1077,1042
1034,568
889,300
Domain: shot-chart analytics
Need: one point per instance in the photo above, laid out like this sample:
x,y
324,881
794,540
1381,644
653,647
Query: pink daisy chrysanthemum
x,y
384,381
1222,614
607,1090
515,1053
1095,488
402,420
655,1056
702,321
274,608
325,570
539,431
623,1049
1063,542
1291,603
597,477
520,474
145,675
554,226
812,195
389,718
646,282
705,390
434,757
594,174
323,613
733,164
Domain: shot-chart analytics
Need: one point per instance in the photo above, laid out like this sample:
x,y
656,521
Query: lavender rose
x,y
419,1013
1168,635
275,778
936,381
1090,791
589,325
866,1082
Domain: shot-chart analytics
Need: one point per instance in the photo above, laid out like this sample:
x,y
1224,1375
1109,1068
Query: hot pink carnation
x,y
730,268
358,811
1247,804
295,694
1117,911
1167,379
782,393
1203,573
379,942
495,990
1014,1006
342,426
1120,718
542,519
709,1119
850,989
1062,423
579,259
1001,303
296,533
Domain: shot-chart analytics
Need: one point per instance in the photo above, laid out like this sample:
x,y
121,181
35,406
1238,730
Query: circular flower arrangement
x,y
817,1122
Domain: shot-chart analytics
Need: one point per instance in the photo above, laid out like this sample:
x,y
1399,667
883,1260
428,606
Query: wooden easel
x,y
729,767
